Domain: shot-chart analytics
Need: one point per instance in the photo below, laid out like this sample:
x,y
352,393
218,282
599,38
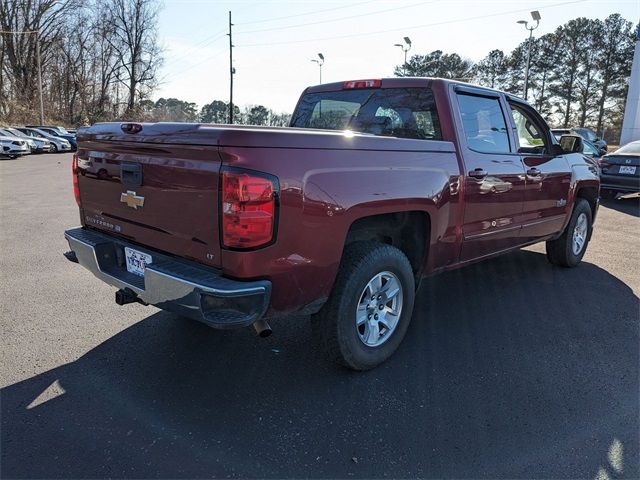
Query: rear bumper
x,y
172,284
620,183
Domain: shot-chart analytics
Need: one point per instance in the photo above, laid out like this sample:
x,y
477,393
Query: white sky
x,y
357,38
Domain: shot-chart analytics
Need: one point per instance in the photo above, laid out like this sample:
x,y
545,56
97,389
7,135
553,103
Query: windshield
x,y
394,112
6,133
632,148
15,132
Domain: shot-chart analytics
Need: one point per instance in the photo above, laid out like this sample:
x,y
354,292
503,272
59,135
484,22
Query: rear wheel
x,y
568,250
370,307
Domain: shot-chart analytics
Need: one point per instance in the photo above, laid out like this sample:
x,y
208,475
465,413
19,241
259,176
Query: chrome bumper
x,y
179,286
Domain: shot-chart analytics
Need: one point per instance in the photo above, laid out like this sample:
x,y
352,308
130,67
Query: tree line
x,y
99,58
175,110
578,74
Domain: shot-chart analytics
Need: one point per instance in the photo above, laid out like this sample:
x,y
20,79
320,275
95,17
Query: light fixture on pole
x,y
320,62
405,48
536,16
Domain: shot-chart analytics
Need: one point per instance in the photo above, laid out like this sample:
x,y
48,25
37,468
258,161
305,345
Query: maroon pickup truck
x,y
376,184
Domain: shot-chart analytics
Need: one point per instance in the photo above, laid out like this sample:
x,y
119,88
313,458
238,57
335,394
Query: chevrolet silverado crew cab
x,y
375,185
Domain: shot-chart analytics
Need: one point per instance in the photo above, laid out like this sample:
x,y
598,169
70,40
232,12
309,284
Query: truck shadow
x,y
511,368
628,204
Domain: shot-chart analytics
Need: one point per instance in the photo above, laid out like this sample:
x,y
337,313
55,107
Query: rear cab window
x,y
393,112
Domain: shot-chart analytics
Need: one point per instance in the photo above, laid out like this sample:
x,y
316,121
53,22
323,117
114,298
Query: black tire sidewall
x,y
357,354
581,207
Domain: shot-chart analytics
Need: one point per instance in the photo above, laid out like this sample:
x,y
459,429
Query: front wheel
x,y
53,148
369,310
569,248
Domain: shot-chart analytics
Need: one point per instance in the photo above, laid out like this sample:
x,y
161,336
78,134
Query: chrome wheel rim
x,y
379,309
580,234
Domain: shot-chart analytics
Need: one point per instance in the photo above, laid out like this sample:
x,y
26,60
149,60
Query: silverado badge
x,y
132,200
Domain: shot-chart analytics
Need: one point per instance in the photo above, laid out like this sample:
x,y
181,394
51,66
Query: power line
x,y
273,19
337,19
184,70
446,22
204,42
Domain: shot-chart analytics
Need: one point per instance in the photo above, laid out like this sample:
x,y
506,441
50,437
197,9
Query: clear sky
x,y
276,40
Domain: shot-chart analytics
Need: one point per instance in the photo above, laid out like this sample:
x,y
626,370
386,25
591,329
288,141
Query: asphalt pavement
x,y
511,368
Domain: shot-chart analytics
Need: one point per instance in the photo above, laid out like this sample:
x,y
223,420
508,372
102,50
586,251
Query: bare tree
x,y
135,43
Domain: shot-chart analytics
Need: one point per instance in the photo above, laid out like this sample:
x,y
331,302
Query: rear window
x,y
632,148
393,112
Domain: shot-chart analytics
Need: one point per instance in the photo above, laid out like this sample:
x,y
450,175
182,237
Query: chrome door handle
x,y
478,173
534,172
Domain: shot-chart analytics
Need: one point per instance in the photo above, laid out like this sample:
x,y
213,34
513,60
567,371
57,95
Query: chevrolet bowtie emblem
x,y
132,200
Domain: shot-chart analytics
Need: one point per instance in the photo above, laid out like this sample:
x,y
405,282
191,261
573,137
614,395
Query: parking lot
x,y
535,374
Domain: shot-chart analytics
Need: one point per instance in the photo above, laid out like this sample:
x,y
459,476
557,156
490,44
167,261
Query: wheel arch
x,y
408,230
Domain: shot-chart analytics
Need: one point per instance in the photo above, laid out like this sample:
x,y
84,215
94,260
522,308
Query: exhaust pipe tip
x,y
262,328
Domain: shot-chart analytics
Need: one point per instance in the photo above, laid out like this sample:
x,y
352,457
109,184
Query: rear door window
x,y
484,125
394,112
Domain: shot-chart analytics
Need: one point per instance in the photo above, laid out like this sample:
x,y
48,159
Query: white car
x,y
13,147
58,144
37,144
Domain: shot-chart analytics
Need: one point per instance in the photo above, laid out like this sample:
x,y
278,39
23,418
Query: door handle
x,y
478,173
534,172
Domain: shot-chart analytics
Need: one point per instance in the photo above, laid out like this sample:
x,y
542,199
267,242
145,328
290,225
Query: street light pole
x,y
320,62
405,48
232,70
536,16
38,62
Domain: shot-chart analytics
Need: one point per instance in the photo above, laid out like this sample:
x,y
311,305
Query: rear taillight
x,y
248,209
351,84
74,173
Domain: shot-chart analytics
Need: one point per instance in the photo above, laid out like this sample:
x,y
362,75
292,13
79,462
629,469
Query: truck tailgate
x,y
161,195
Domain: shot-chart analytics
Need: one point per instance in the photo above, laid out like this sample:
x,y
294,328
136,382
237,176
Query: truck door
x,y
494,177
548,177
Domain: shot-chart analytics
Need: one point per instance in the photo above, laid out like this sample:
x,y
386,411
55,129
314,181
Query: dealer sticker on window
x,y
136,261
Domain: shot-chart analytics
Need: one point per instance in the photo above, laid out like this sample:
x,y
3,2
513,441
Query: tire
x,y
361,346
53,148
563,251
608,194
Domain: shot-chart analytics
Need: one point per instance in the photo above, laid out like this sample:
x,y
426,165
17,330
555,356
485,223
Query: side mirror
x,y
571,143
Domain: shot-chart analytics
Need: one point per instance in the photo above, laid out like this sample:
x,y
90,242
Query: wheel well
x,y
590,194
407,231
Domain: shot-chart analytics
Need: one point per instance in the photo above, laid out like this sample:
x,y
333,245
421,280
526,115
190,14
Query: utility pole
x,y
231,71
38,62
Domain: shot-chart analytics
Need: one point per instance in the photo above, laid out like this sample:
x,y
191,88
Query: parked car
x,y
585,133
591,152
57,131
57,144
620,171
30,143
592,136
37,145
13,147
407,177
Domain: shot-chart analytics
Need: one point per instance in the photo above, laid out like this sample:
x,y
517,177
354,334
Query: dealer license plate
x,y
627,170
136,261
